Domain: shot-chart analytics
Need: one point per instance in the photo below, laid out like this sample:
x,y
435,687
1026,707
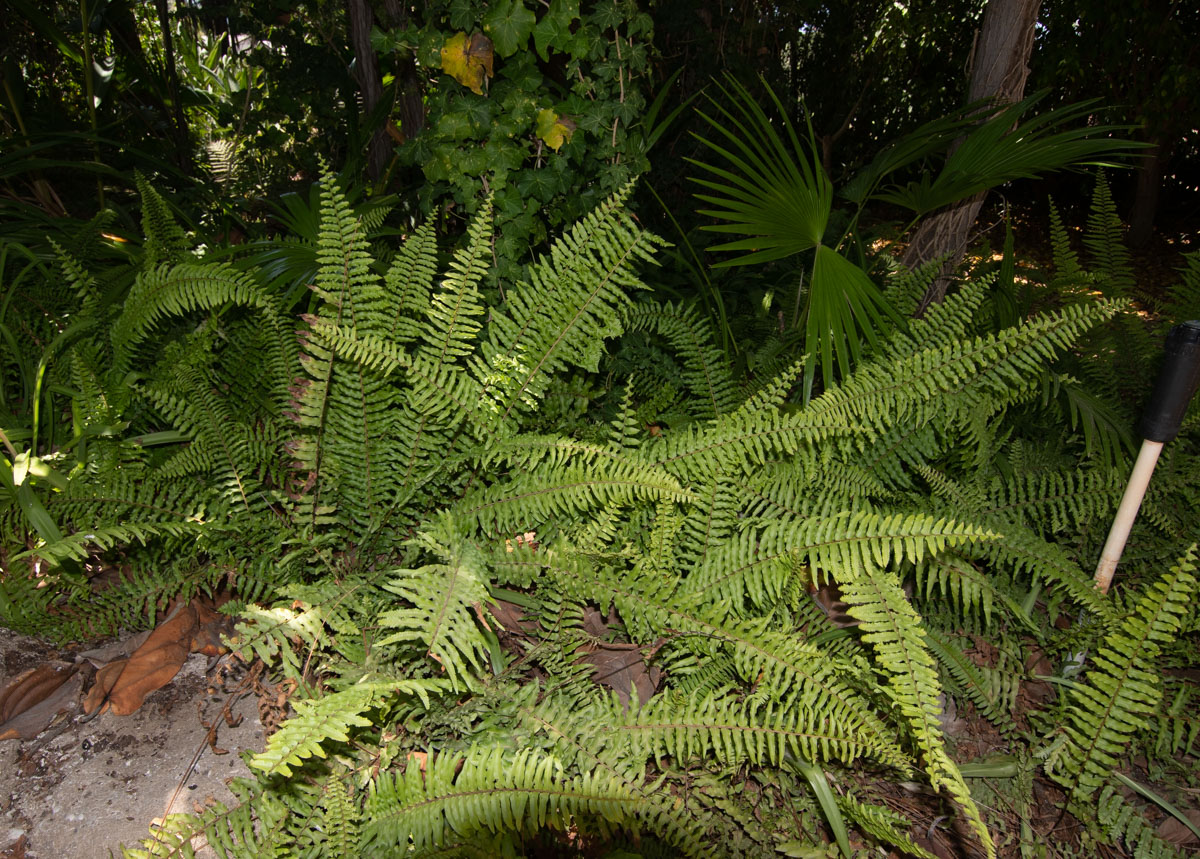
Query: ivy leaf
x,y
509,24
462,14
468,60
555,28
554,129
608,16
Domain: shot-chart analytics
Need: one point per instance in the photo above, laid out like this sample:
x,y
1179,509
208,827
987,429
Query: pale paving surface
x,y
81,793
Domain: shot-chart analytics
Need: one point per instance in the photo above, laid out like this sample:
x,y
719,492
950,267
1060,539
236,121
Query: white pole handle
x,y
1131,501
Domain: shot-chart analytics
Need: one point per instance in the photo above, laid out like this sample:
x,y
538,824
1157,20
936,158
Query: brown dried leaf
x,y
622,667
32,687
39,704
211,627
101,656
152,666
106,679
511,618
1174,831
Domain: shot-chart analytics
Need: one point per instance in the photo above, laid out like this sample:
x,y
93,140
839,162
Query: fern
x,y
1110,260
705,372
446,598
486,789
445,513
1121,690
1122,822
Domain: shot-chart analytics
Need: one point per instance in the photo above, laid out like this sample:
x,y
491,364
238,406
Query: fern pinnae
x,y
589,273
1121,690
970,677
778,660
893,629
833,542
542,494
315,722
704,364
410,280
446,604
488,789
456,306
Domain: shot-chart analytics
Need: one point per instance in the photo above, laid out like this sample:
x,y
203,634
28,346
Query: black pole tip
x,y
1176,384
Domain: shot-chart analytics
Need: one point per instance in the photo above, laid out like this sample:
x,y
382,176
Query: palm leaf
x,y
777,194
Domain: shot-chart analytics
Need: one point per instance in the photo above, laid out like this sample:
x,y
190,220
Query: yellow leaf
x,y
468,59
554,129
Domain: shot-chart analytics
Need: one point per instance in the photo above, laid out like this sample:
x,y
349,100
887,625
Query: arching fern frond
x,y
445,599
893,629
489,790
705,370
561,317
1121,691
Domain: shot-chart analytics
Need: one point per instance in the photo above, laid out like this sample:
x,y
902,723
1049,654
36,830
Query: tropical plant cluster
x,y
505,617
567,537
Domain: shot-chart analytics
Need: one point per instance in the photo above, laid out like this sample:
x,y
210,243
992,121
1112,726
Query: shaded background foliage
x,y
252,94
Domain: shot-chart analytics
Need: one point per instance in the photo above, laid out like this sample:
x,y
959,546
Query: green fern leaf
x,y
445,600
1121,691
316,721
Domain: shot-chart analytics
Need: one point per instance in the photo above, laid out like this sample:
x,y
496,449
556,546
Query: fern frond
x,y
1176,728
455,312
881,823
527,500
778,661
996,366
993,700
165,242
1066,260
893,629
489,790
950,576
1109,258
1124,823
327,718
446,599
344,261
184,289
1121,691
748,564
249,825
720,727
1060,502
705,370
439,389
1021,550
561,317
409,285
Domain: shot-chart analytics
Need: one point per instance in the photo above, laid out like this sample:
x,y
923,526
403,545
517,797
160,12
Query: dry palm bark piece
x,y
123,685
31,701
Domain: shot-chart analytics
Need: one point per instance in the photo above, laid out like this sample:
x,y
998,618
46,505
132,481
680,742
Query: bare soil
x,y
84,787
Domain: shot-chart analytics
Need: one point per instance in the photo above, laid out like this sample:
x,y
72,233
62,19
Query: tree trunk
x,y
179,128
998,71
1145,200
410,102
366,68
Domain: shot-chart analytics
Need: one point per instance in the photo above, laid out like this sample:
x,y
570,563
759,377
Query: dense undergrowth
x,y
547,573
